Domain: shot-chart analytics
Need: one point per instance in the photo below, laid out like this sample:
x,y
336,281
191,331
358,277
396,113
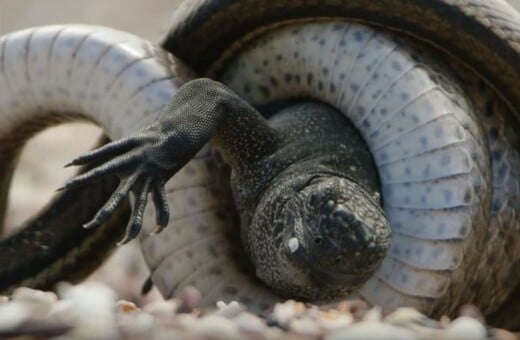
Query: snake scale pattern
x,y
441,128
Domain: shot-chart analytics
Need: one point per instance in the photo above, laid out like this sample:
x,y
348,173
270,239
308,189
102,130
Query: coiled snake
x,y
431,86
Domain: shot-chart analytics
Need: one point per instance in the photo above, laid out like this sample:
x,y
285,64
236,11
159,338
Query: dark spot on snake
x,y
383,111
489,108
189,254
320,85
337,27
279,57
309,78
296,54
445,160
493,134
358,36
405,96
288,78
322,42
342,43
325,70
396,66
297,78
247,88
265,62
264,90
332,88
424,141
496,155
273,81
354,87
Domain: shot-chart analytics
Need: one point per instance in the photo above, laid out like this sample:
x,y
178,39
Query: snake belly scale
x,y
450,195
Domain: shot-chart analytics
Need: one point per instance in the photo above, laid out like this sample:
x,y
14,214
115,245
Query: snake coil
x,y
441,127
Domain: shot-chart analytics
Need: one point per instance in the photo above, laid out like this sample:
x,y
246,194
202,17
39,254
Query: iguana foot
x,y
143,164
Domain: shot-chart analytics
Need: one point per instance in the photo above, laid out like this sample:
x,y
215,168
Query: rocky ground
x,y
92,310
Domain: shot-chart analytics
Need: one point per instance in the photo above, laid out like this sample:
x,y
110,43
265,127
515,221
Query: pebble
x,y
465,327
229,310
190,298
371,330
215,327
90,311
333,319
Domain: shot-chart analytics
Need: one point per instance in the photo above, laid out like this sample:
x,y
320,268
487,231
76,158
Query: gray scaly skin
x,y
317,190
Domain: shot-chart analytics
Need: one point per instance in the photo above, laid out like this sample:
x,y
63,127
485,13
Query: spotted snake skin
x,y
453,243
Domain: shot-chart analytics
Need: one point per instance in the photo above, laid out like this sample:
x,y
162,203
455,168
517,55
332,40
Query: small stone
x,y
93,308
502,334
356,308
284,312
124,306
471,311
135,325
305,326
3,299
374,314
190,298
40,301
465,328
62,311
214,327
162,308
332,319
229,310
371,330
409,317
13,315
249,322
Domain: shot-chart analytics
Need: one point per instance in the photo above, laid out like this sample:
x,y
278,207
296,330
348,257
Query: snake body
x,y
448,165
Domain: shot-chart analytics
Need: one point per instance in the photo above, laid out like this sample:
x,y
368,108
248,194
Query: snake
x,y
372,145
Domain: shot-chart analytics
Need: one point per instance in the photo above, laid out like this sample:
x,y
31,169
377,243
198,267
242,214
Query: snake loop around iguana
x,y
325,111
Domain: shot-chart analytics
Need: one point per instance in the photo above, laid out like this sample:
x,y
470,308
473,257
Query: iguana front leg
x,y
202,109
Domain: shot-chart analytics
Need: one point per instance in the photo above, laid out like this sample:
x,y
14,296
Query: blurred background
x,y
41,170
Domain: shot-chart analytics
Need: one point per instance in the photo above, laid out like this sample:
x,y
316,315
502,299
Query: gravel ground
x,y
44,314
